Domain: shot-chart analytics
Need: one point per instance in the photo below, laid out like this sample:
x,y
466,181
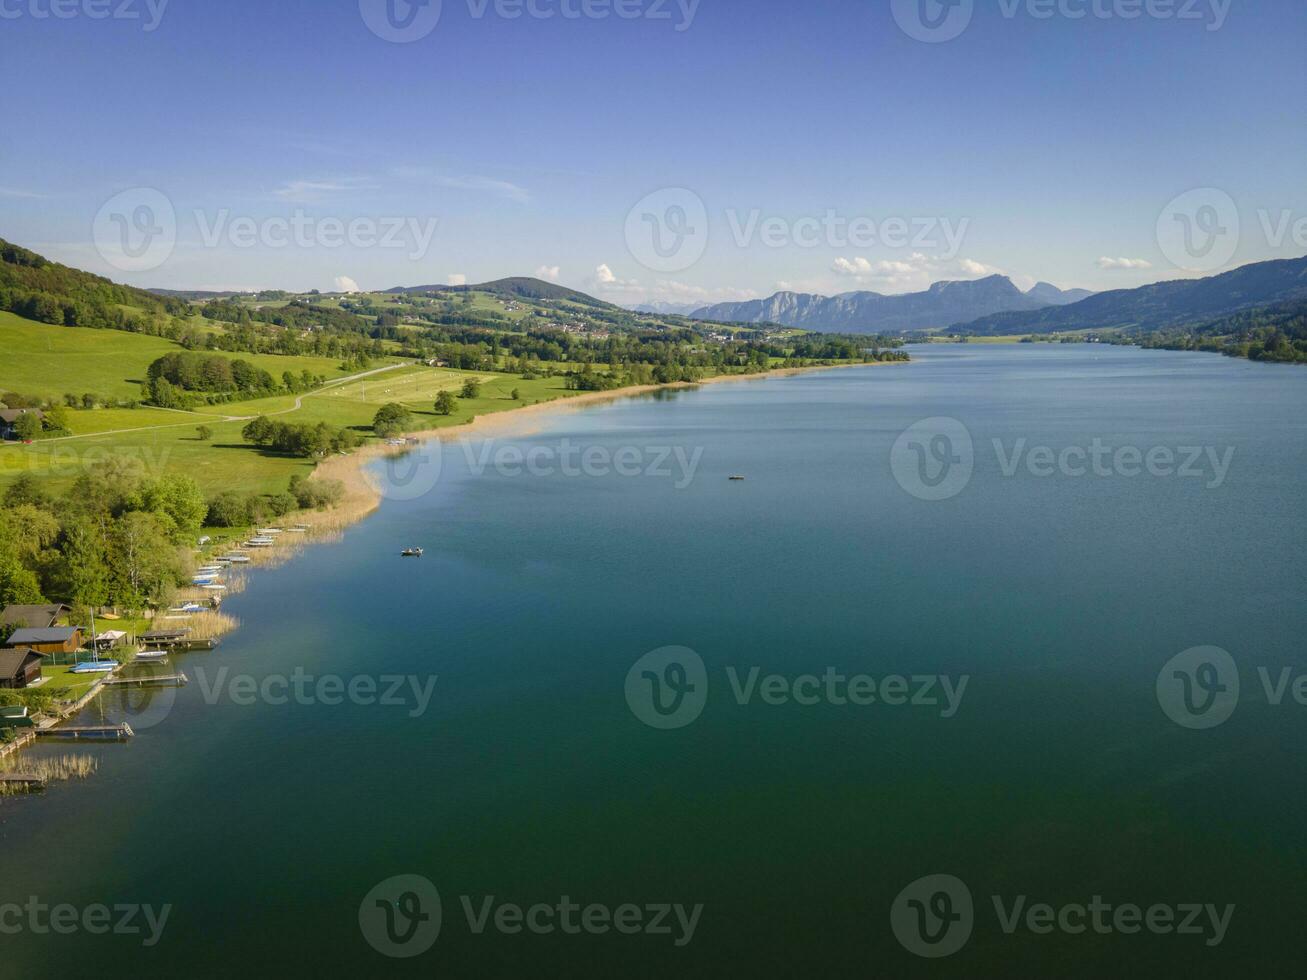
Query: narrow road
x,y
200,417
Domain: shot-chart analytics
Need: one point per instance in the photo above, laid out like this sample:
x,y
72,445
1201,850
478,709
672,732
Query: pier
x,y
93,733
22,780
166,680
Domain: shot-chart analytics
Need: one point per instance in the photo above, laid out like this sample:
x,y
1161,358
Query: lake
x,y
933,632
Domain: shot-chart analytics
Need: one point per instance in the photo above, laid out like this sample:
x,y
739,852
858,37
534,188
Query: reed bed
x,y
57,769
208,625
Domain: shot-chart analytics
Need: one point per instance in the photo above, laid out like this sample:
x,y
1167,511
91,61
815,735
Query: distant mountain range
x,y
942,305
1164,304
666,309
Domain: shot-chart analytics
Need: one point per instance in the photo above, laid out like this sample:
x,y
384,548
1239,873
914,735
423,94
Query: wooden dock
x,y
93,733
167,680
23,780
26,736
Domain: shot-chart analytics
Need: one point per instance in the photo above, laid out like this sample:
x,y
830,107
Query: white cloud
x,y
604,275
463,182
974,268
1109,263
854,267
549,272
862,268
457,279
316,190
344,284
20,194
502,187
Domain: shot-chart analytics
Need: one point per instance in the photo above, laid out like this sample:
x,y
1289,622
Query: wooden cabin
x,y
35,617
59,643
19,668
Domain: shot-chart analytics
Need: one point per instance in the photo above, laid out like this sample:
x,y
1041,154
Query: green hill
x,y
1159,306
523,287
33,287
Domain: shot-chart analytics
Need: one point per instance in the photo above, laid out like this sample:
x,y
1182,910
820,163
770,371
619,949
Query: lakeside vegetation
x,y
154,419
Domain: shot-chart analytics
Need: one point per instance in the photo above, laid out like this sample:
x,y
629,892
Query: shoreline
x,y
363,493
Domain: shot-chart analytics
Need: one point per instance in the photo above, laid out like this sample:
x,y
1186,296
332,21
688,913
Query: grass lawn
x,y
226,462
63,677
83,423
47,361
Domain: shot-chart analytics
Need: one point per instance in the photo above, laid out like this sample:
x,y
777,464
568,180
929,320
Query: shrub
x,y
230,509
316,494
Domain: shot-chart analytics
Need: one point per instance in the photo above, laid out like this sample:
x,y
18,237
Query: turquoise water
x,y
529,776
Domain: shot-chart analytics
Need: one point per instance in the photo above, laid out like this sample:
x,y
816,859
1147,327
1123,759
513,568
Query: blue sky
x,y
1045,144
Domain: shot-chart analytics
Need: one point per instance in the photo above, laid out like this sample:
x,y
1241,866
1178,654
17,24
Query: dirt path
x,y
199,417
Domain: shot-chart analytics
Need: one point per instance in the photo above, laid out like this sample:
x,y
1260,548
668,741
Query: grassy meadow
x,y
167,441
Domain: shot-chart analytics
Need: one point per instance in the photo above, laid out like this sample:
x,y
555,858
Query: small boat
x,y
96,667
214,588
238,559
152,657
266,531
737,479
411,553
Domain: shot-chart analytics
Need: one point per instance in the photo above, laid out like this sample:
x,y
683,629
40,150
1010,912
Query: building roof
x,y
13,661
38,617
52,634
11,415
